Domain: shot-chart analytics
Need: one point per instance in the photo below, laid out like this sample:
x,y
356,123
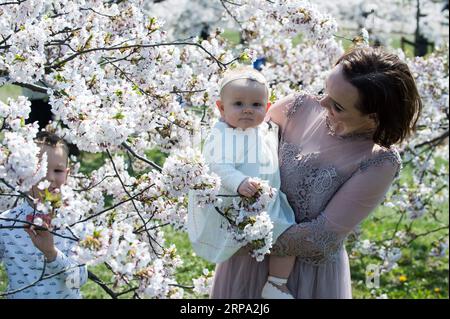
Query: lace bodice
x,y
313,184
332,182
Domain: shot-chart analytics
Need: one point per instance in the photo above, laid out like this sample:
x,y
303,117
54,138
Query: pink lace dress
x,y
332,183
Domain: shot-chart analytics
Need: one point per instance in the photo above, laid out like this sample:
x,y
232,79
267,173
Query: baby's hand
x,y
248,187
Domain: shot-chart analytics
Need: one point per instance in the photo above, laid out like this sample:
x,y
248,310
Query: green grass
x,y
192,265
3,278
426,276
232,36
93,291
423,273
11,91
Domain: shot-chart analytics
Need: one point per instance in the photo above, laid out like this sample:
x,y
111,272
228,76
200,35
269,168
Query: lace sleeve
x,y
385,155
315,241
321,238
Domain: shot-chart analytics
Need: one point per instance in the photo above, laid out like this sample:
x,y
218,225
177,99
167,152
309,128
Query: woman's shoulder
x,y
286,108
380,156
390,153
300,101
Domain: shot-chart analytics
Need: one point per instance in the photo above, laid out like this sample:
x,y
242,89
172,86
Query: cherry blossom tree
x,y
120,83
115,84
381,18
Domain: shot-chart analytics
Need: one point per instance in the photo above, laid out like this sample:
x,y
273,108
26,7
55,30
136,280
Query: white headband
x,y
245,76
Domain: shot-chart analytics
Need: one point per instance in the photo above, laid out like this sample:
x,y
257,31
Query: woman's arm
x,y
353,202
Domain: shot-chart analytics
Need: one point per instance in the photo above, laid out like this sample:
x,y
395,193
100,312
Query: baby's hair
x,y
243,73
51,139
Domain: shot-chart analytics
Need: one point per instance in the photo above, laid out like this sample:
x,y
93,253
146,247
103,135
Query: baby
x,y
241,147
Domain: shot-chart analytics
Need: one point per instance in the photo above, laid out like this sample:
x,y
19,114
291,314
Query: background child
x,y
32,251
242,146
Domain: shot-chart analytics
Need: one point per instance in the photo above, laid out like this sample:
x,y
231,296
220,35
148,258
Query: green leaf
x,y
54,199
19,58
119,116
97,233
60,78
137,89
244,57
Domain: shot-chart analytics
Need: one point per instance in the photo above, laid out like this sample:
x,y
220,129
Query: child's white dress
x,y
234,155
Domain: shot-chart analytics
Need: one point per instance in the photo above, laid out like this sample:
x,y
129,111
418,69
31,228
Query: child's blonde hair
x,y
243,73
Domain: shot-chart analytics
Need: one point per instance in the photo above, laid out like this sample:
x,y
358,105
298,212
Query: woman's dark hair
x,y
386,88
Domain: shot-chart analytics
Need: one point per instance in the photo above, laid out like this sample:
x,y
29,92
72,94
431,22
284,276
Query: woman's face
x,y
340,100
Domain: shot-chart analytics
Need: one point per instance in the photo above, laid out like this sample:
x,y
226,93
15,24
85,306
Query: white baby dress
x,y
234,155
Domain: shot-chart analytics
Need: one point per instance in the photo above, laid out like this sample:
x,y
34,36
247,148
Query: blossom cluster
x,y
120,83
249,222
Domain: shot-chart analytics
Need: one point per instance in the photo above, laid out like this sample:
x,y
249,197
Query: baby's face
x,y
243,104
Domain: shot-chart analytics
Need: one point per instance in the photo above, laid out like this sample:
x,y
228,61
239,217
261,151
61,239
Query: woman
x,y
336,164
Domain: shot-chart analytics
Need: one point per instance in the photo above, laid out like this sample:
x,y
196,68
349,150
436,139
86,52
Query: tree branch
x,y
229,12
111,208
222,65
435,141
32,87
142,158
427,233
150,238
15,220
104,286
